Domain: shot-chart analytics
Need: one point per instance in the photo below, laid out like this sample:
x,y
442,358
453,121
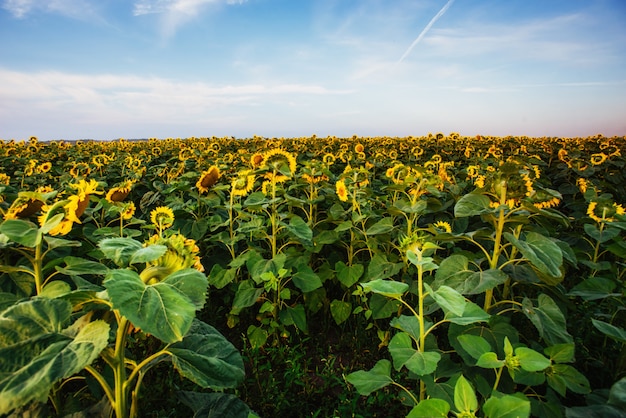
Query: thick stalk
x,y
37,268
420,316
495,256
119,370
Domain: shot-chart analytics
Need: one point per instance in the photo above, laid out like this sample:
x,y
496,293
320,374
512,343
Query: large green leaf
x,y
207,358
246,296
475,345
404,354
215,405
367,382
37,349
454,272
348,275
472,204
507,406
306,279
430,408
119,250
22,232
464,397
541,251
75,266
448,299
165,309
616,333
383,226
299,230
389,288
548,319
340,310
594,288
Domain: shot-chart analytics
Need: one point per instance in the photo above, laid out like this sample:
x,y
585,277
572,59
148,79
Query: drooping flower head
x,y
182,253
208,179
280,161
119,192
604,210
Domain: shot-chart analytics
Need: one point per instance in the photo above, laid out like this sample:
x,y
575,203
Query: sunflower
x,y
181,253
207,179
119,192
582,184
359,148
128,210
256,160
243,183
80,200
278,158
162,217
342,191
599,158
24,206
443,226
604,211
44,167
80,169
4,179
329,159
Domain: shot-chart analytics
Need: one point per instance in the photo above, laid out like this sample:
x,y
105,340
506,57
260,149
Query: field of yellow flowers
x,y
365,276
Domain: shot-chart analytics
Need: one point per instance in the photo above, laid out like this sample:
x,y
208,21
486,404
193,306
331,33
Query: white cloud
x,y
75,9
174,13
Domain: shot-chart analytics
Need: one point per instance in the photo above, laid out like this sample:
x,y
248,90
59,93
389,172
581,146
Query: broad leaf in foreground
x,y
38,349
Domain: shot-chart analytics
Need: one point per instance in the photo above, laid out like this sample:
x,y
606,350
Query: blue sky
x,y
106,69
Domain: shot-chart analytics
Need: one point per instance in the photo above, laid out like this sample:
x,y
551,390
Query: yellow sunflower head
x,y
243,183
256,160
341,190
181,253
604,210
119,192
127,211
162,217
599,158
443,226
279,160
208,179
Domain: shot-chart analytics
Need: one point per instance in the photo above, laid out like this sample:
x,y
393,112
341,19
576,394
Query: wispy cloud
x,y
174,13
75,9
425,30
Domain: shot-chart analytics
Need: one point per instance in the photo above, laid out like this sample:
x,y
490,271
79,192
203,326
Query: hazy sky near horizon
x,y
107,69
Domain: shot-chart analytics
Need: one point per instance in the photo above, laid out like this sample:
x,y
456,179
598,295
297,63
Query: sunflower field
x,y
431,276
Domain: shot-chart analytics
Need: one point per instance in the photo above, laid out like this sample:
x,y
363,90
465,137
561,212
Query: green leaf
x,y
489,361
165,309
215,405
340,310
594,288
300,230
376,378
472,204
220,277
560,353
530,360
471,314
257,336
543,253
475,345
294,316
464,396
601,236
36,352
388,288
245,296
564,376
55,289
404,354
448,299
430,408
383,226
548,319
409,324
348,275
207,358
616,333
306,279
507,406
147,254
617,394
75,266
454,272
119,250
21,232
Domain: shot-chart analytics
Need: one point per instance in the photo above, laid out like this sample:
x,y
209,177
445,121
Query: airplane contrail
x,y
425,30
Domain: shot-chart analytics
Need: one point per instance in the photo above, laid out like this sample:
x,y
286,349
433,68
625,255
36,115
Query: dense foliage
x,y
418,276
